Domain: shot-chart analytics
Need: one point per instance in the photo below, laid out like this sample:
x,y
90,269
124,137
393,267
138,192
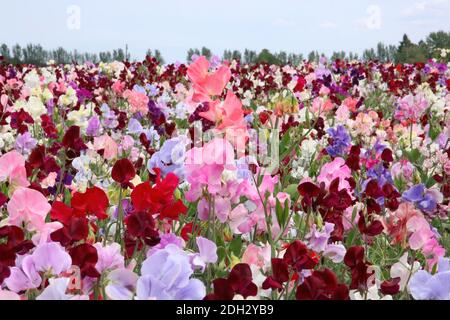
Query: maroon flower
x,y
85,256
322,285
280,275
390,286
75,228
239,281
298,256
122,172
141,225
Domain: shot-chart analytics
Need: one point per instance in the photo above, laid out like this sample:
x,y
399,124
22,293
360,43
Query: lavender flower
x,y
165,275
425,286
25,143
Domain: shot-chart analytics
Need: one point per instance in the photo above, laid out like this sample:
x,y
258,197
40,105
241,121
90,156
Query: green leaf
x,y
413,155
221,253
291,190
236,246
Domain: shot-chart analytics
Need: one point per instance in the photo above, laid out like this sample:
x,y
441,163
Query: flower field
x,y
218,180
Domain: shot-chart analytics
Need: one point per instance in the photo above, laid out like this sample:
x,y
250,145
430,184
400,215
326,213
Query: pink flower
x,y
257,256
12,169
205,84
411,107
108,145
204,166
433,251
333,170
421,232
137,100
28,206
109,257
118,86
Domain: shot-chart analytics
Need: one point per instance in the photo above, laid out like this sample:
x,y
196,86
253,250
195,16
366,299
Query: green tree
x,y
265,56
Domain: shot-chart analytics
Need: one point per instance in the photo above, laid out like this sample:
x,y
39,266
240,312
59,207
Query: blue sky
x,y
173,26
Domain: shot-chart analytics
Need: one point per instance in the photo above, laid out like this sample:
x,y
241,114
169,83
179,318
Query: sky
x,y
174,26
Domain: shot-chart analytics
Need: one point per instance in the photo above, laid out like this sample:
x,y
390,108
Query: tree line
x,y
406,52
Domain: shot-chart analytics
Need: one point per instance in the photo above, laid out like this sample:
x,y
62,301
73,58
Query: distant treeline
x,y
405,52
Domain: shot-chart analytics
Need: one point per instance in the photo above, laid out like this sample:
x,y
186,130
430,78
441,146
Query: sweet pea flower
x,y
318,240
425,286
138,101
403,270
107,144
207,253
121,284
335,169
109,257
30,207
56,290
166,275
12,169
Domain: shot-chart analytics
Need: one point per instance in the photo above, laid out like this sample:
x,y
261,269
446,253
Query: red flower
x,y
280,275
308,189
322,285
354,259
93,201
85,256
75,228
353,256
158,198
123,171
298,256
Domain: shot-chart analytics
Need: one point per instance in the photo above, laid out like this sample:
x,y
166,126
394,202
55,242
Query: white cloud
x,y
434,7
372,20
328,25
283,23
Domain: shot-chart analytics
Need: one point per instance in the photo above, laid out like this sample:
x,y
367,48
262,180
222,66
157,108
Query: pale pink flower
x,y
333,170
138,101
108,144
12,169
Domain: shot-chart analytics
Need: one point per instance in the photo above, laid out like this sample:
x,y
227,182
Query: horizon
x,y
92,27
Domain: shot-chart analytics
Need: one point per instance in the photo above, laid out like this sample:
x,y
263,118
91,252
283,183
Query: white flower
x,y
35,108
403,270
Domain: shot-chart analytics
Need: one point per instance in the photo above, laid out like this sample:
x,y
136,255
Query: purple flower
x,y
165,275
335,252
134,126
341,141
422,198
424,286
25,142
93,128
207,253
318,239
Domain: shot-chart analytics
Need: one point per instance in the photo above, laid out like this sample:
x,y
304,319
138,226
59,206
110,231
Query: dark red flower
x,y
93,201
280,275
72,139
141,225
353,256
85,256
298,256
390,286
322,285
123,171
372,230
308,189
386,155
3,199
239,281
12,242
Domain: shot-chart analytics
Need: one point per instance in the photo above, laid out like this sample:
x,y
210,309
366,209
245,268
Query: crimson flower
x,y
93,201
75,227
354,259
122,172
372,230
140,224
